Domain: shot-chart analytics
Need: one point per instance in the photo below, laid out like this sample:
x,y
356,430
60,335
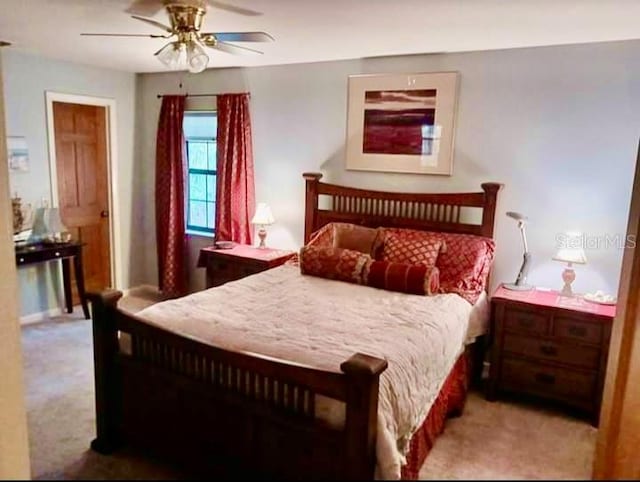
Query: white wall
x,y
557,125
27,78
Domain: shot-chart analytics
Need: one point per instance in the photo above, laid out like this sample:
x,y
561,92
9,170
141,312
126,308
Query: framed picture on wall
x,y
18,154
402,122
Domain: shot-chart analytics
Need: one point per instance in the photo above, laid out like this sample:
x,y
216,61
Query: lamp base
x,y
262,234
515,287
568,276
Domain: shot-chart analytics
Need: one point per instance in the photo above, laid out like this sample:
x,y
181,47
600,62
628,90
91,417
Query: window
x,y
200,130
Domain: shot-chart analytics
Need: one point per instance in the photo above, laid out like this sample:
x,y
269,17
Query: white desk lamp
x,y
520,283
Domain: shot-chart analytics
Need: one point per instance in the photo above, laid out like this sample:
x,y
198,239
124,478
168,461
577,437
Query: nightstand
x,y
242,260
550,346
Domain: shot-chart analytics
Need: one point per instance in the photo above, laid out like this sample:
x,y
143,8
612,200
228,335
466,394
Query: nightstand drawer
x,y
547,381
586,357
247,270
572,329
223,268
521,321
224,271
224,265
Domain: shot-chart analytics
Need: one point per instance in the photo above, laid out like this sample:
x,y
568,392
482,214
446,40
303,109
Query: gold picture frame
x,y
402,122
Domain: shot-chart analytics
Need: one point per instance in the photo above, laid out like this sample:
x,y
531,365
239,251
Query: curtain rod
x,y
160,96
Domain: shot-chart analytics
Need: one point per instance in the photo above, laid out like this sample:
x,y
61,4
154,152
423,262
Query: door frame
x,y
112,171
615,456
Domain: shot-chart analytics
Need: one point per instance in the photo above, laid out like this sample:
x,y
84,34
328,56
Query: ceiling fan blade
x,y
242,36
146,8
154,23
234,9
234,49
123,35
160,50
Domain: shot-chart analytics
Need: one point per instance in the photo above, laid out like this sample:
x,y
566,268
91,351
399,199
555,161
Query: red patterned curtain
x,y
235,196
170,180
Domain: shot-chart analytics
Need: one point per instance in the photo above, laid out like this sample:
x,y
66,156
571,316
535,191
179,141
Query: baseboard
x,y
41,316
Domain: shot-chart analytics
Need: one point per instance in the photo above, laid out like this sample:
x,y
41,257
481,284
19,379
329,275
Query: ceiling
x,y
319,30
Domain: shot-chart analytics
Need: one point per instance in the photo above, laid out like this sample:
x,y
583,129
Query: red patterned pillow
x,y
322,237
464,267
412,247
414,279
333,263
464,260
353,236
345,236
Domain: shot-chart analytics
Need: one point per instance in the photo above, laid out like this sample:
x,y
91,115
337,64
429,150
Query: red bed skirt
x,y
450,401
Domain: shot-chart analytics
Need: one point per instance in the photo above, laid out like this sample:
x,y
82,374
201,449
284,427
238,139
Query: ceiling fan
x,y
186,17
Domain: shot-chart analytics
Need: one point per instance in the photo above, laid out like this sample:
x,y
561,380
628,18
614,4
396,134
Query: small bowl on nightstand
x,y
224,244
600,298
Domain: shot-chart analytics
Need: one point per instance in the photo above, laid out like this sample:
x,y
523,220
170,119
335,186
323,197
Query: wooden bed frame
x,y
199,404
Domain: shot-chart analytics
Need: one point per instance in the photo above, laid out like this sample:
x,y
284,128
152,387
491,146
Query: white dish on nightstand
x,y
600,298
224,244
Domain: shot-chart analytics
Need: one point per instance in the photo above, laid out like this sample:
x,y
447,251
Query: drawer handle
x,y
57,253
576,330
548,350
545,378
21,260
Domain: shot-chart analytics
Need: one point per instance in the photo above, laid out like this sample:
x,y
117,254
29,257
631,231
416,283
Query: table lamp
x,y
570,252
262,218
47,227
520,283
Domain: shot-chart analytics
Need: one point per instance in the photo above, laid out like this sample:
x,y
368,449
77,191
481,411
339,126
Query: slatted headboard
x,y
431,212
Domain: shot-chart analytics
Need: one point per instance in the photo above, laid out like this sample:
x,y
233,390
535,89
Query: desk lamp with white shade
x,y
262,218
570,252
520,284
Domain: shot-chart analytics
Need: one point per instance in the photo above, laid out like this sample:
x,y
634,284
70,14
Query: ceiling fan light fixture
x,y
197,59
186,50
184,55
171,55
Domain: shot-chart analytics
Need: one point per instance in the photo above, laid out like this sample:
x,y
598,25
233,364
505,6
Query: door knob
x,y
104,214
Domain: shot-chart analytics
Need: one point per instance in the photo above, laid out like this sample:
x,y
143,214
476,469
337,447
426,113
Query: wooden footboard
x,y
203,405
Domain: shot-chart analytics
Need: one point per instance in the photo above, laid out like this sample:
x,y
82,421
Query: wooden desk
x,y
65,252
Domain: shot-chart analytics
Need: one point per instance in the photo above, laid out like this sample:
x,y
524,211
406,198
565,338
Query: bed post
x,y
363,375
481,345
105,348
311,203
489,210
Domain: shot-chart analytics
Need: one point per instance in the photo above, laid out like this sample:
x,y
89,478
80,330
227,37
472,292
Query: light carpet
x,y
491,440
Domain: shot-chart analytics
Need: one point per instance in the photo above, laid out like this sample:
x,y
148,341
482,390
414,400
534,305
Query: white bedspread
x,y
320,322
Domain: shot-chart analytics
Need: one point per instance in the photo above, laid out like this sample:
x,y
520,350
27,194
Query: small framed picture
x,y
18,154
